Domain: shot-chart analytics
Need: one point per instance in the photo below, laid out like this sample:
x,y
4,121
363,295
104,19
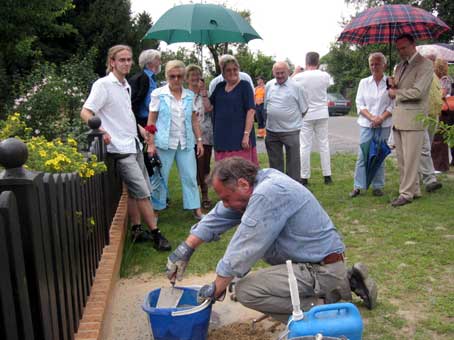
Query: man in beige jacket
x,y
413,78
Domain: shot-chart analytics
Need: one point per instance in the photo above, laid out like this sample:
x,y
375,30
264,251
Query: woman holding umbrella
x,y
374,110
232,103
173,130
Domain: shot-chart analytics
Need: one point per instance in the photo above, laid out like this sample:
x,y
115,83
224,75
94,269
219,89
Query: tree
x,y
223,48
24,23
102,25
255,65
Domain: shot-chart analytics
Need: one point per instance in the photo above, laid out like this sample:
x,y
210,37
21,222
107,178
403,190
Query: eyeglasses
x,y
125,60
175,76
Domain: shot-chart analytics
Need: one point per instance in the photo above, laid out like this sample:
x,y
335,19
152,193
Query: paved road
x,y
343,135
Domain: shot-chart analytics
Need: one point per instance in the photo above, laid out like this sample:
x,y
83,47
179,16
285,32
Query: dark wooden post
x,y
95,142
28,188
15,314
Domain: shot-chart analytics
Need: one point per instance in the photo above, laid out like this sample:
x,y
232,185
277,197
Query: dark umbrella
x,y
374,151
203,24
383,24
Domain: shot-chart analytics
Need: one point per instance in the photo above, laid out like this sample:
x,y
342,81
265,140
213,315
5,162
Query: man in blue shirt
x,y
278,219
143,83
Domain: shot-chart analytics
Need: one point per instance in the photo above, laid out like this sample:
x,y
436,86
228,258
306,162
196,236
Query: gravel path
x,y
343,136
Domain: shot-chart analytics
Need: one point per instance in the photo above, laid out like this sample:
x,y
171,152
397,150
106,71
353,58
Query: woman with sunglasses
x,y
173,130
233,106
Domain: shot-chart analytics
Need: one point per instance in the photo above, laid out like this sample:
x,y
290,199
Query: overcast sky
x,y
289,28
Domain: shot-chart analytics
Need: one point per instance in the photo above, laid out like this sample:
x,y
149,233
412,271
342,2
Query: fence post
x,y
95,141
28,188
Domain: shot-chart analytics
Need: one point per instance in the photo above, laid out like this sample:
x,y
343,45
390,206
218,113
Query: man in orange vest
x,y
259,111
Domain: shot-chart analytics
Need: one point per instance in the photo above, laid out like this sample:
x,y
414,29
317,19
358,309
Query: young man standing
x,y
110,100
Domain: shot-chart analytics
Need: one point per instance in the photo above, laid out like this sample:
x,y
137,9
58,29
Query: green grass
x,y
409,250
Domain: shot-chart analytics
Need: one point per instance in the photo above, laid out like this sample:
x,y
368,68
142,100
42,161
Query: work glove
x,y
177,262
208,292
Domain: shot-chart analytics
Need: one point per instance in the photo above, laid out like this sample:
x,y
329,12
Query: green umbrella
x,y
203,24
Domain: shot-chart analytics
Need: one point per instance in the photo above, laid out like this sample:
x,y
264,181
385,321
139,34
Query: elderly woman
x,y
196,85
441,70
232,103
374,110
172,124
440,150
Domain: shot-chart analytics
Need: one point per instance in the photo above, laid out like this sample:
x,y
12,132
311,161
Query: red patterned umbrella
x,y
383,24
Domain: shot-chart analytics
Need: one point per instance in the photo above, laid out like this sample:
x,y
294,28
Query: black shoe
x,y
160,243
328,180
400,201
354,193
304,181
139,234
362,285
434,186
378,192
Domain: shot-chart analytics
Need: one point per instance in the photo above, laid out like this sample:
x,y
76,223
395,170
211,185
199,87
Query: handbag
x,y
448,104
447,111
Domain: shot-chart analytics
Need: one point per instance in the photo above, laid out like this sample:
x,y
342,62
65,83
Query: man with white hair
x,y
285,104
220,78
143,83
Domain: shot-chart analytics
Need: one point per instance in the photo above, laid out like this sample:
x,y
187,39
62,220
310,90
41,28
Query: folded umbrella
x,y
374,151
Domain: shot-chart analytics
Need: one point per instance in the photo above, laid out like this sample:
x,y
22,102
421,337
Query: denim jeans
x,y
187,168
378,182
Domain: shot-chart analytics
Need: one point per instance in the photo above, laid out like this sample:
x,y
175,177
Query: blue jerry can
x,y
334,320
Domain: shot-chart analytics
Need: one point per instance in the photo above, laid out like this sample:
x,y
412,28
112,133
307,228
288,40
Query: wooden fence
x,y
53,228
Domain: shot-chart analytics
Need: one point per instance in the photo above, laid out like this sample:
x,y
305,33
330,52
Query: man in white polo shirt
x,y
315,123
285,105
110,100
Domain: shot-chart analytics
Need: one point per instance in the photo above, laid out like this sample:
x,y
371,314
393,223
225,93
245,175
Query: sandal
x,y
206,204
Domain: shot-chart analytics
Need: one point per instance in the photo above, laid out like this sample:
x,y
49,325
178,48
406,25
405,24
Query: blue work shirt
x,y
143,113
282,221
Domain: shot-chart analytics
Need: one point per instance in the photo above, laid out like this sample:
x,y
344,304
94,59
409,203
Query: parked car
x,y
338,104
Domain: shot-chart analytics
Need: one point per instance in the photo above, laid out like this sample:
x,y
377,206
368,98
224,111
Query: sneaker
x,y
354,193
139,234
328,180
434,186
160,243
362,285
304,181
378,192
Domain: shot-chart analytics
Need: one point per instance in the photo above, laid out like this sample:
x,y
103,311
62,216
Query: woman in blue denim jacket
x,y
172,113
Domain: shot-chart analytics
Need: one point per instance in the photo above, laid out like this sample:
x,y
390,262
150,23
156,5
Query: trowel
x,y
169,297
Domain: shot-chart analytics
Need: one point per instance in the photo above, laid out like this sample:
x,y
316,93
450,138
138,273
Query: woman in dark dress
x,y
232,103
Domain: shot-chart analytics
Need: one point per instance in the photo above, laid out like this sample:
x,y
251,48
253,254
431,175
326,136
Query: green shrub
x,y
51,98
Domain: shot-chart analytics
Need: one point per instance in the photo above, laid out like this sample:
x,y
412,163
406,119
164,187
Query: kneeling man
x,y
278,219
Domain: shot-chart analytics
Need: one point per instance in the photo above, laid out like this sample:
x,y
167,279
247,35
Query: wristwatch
x,y
199,139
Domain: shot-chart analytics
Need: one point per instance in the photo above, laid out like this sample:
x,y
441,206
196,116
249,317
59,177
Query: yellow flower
x,y
42,153
72,142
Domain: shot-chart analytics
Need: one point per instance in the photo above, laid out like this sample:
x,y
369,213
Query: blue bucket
x,y
187,321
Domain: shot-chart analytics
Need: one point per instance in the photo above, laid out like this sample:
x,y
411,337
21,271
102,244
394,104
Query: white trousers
x,y
317,128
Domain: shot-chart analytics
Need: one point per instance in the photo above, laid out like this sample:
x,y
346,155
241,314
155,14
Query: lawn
x,y
409,250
